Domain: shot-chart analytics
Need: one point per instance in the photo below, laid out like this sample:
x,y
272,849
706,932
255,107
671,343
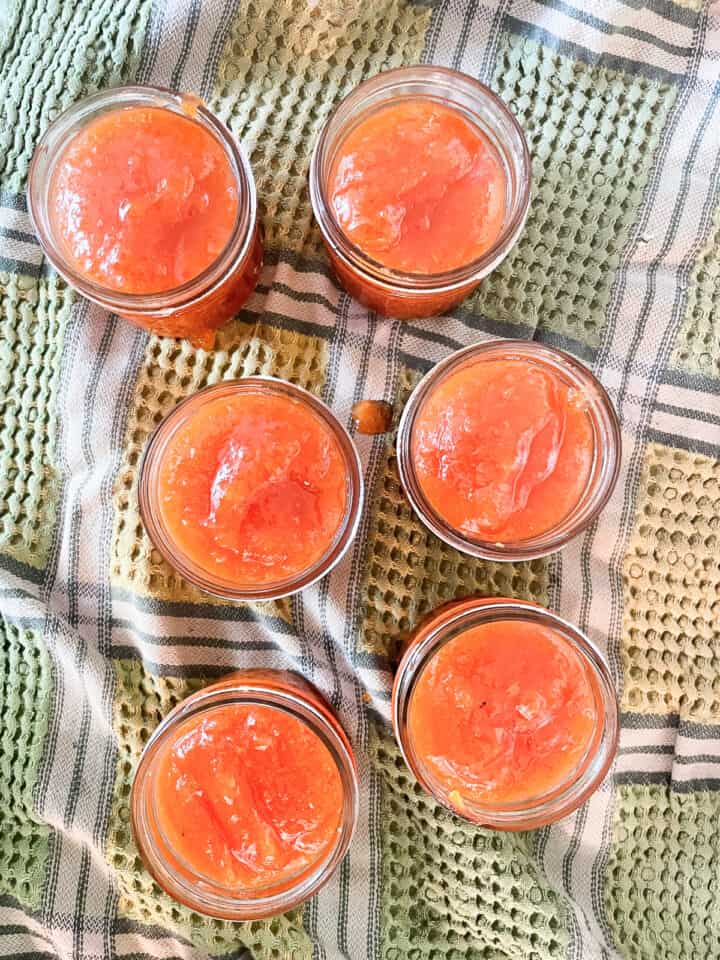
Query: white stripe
x,y
693,746
12,581
684,772
17,943
166,625
431,351
453,22
689,399
162,948
644,763
209,21
573,31
11,219
688,427
21,251
636,737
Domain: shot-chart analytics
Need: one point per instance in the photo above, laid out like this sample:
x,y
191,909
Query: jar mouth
x,y
481,107
49,150
180,879
563,797
191,571
604,469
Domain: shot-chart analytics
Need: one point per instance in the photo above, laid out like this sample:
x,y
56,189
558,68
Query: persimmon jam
x,y
252,487
248,796
503,449
503,712
143,200
418,188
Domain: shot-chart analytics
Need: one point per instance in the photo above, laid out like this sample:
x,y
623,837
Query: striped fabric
x,y
619,264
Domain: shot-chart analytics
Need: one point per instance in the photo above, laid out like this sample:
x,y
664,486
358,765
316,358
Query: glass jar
x,y
150,508
605,461
452,619
281,690
391,292
195,309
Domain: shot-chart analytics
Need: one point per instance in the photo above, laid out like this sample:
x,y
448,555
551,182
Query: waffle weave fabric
x,y
619,264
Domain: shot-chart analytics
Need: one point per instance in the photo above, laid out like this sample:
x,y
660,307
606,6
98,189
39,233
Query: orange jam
x,y
503,449
253,487
418,188
248,796
144,200
503,712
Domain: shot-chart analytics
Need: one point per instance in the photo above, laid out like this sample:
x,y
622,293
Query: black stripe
x,y
499,328
24,267
21,235
234,613
690,444
299,296
577,52
83,878
693,413
22,571
689,760
649,721
286,323
666,9
13,201
35,955
213,643
201,671
649,749
691,381
606,27
676,786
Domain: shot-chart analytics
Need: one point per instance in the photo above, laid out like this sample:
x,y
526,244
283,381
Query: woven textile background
x,y
619,264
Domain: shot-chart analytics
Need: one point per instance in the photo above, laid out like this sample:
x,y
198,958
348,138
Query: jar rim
x,y
59,134
198,892
449,82
228,590
606,461
451,620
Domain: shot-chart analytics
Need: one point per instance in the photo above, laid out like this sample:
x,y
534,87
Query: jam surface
x,y
503,449
418,188
253,487
502,712
143,200
248,796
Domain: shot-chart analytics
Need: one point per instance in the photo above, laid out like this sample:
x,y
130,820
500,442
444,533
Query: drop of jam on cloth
x,y
249,796
419,188
372,416
503,449
502,713
253,488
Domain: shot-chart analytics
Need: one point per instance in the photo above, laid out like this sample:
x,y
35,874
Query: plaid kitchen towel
x,y
619,264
